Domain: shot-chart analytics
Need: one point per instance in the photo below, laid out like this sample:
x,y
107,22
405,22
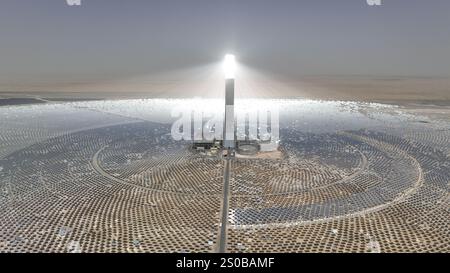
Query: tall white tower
x,y
229,135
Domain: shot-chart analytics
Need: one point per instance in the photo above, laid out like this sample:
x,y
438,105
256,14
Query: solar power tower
x,y
229,134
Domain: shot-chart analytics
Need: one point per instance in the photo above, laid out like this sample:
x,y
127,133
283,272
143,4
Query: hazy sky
x,y
47,41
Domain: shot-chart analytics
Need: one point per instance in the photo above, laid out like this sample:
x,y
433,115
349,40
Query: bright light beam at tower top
x,y
229,66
